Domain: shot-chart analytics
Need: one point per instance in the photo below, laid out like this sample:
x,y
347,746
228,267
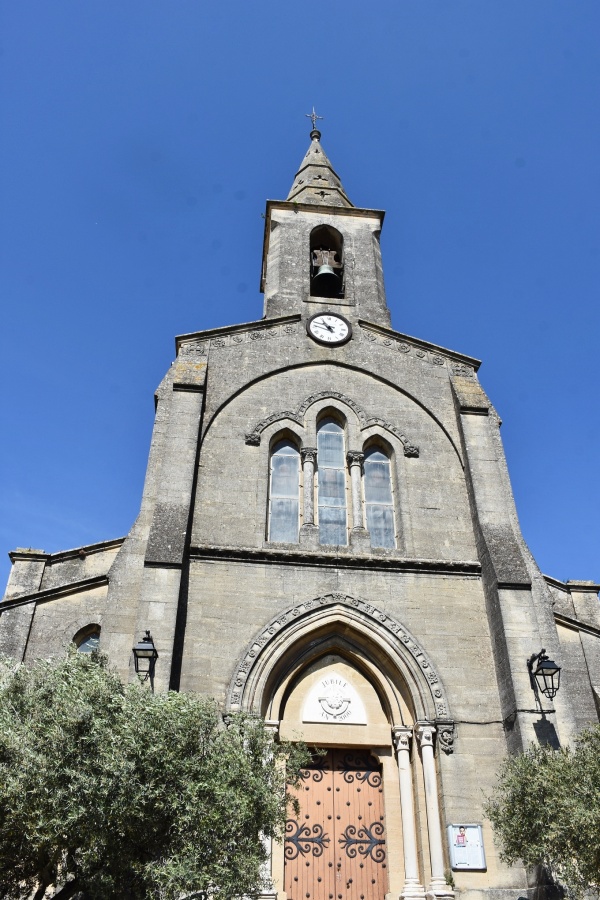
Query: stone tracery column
x,y
412,885
309,457
438,887
355,462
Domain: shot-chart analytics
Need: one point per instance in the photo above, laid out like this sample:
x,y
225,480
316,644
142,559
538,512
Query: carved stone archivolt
x,y
288,626
297,415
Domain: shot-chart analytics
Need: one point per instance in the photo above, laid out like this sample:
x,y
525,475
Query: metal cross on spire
x,y
313,118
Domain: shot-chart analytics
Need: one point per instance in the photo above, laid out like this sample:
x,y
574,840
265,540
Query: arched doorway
x,y
337,845
345,677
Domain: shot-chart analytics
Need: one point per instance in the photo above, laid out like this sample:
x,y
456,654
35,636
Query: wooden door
x,y
335,849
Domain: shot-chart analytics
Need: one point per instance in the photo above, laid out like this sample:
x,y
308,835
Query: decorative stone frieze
x,y
297,415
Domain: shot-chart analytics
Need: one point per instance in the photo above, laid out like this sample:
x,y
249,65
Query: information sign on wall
x,y
466,847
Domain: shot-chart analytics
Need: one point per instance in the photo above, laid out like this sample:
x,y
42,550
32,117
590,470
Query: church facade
x,y
327,538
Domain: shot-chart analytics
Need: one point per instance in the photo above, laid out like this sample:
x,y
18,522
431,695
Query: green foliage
x,y
110,791
545,810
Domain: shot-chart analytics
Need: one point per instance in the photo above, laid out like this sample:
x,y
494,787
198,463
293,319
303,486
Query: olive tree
x,y
110,791
545,811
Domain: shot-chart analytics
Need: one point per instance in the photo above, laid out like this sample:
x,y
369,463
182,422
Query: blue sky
x,y
140,142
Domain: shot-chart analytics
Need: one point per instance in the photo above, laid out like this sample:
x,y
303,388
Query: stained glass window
x,y
283,497
379,499
331,483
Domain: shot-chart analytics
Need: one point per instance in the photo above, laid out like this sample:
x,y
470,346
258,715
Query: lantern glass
x,y
145,656
548,677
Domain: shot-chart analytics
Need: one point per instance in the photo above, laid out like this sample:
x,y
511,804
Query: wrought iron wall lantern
x,y
544,675
145,655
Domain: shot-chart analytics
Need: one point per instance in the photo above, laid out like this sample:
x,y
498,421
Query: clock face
x,y
327,328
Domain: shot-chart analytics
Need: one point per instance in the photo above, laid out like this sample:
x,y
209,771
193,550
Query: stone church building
x,y
327,537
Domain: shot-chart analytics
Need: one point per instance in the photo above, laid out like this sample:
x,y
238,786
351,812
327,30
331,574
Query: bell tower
x,y
320,250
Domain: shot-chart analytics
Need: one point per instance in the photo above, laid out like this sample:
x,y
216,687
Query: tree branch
x,y
70,888
45,880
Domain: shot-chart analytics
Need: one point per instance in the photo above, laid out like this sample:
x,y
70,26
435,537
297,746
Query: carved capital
x,y
308,454
445,734
355,458
425,732
272,727
401,736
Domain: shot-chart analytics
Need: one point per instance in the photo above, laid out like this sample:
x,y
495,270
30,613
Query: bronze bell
x,y
326,283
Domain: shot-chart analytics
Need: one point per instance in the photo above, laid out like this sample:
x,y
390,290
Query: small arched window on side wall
x,y
379,498
87,639
326,262
284,492
331,483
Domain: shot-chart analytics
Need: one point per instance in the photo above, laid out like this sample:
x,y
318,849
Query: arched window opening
x,y
284,507
331,483
326,262
88,639
379,498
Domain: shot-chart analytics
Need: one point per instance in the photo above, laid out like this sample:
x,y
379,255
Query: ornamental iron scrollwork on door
x,y
300,838
335,849
367,841
364,768
311,774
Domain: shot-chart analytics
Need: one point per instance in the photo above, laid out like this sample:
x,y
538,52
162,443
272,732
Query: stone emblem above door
x,y
334,699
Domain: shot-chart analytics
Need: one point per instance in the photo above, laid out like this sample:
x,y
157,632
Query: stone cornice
x,y
63,555
570,587
323,209
396,337
260,325
63,590
576,624
295,557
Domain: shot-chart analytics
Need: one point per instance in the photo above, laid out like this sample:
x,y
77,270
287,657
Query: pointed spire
x,y
316,180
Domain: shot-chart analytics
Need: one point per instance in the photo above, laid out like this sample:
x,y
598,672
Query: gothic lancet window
x,y
284,493
331,483
379,499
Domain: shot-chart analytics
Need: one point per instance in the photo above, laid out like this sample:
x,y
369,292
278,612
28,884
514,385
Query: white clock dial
x,y
328,328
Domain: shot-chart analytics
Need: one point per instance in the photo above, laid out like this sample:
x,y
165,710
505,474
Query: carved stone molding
x,y
402,345
401,736
445,734
308,454
355,458
297,415
385,628
424,732
222,341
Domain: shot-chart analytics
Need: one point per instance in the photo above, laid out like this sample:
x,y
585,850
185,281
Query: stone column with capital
x,y
359,536
309,533
355,463
412,886
309,458
438,886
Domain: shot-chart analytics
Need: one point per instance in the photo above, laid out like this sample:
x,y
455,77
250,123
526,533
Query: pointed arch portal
x,y
305,630
347,677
